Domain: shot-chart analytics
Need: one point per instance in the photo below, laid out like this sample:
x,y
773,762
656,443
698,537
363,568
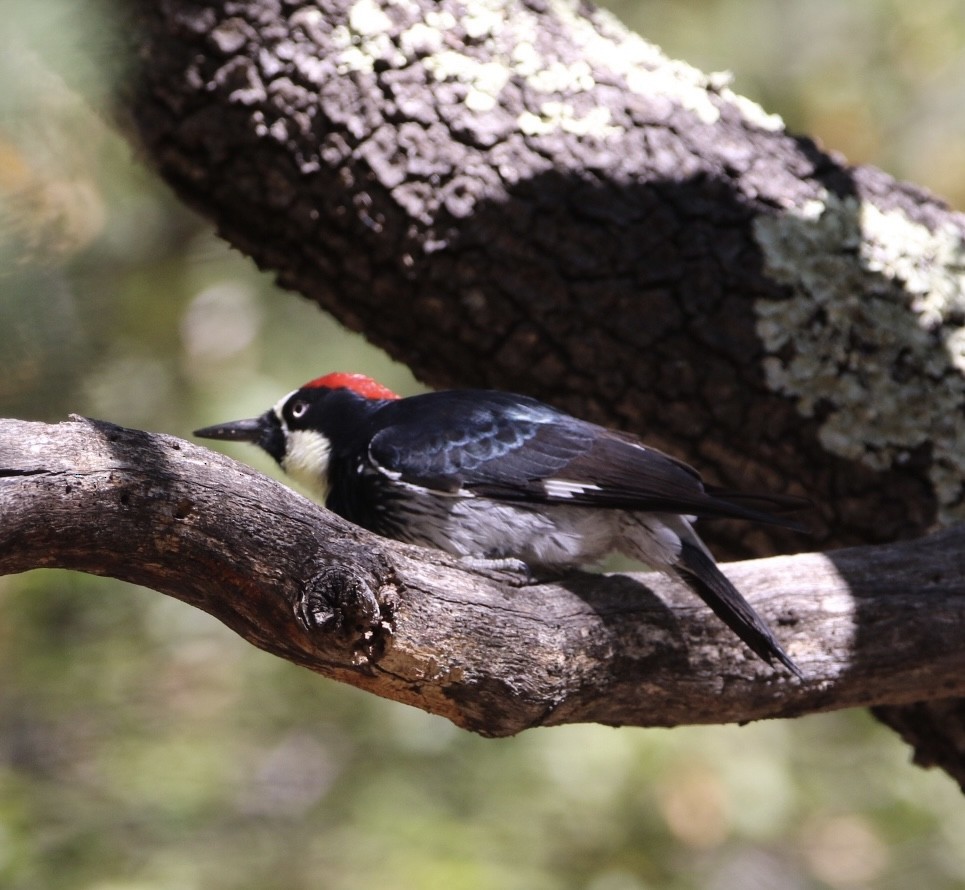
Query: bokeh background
x,y
144,747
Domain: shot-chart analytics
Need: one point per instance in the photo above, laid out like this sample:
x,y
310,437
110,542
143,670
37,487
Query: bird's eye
x,y
299,409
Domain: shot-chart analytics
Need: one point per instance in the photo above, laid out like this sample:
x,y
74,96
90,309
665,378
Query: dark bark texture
x,y
869,626
534,200
524,195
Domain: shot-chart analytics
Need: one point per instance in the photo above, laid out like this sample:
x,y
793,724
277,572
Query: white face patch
x,y
279,406
565,488
306,460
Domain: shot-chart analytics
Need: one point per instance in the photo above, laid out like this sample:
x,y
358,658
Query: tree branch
x,y
869,626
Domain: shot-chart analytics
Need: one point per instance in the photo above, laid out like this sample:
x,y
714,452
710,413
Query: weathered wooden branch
x,y
869,626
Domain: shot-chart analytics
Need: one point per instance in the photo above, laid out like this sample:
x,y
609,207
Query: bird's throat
x,y
307,459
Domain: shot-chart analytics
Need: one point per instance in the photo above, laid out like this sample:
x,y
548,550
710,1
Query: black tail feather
x,y
701,574
764,508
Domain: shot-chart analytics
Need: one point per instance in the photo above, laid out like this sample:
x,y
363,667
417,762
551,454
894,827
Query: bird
x,y
503,480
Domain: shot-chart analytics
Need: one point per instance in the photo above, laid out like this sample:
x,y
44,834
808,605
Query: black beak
x,y
235,430
264,431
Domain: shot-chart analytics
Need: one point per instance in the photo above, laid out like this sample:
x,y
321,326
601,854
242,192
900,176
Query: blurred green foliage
x,y
144,747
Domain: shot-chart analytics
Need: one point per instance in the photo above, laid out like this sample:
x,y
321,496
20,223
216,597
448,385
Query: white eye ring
x,y
299,409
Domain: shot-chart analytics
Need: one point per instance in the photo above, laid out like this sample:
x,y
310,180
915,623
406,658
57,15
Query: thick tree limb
x,y
526,195
868,626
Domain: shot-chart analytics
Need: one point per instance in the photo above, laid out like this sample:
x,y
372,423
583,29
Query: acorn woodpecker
x,y
502,479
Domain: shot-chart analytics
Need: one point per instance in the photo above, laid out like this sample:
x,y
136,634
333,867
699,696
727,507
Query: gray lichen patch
x,y
503,41
871,339
606,43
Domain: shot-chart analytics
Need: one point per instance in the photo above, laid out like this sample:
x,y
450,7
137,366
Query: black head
x,y
298,432
264,431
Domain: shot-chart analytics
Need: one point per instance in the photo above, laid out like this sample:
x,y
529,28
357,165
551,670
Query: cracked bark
x,y
614,272
869,626
535,200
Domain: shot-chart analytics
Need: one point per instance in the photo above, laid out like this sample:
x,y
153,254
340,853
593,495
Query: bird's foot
x,y
504,569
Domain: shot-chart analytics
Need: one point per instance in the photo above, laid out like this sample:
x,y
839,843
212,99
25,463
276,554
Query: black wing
x,y
450,441
511,448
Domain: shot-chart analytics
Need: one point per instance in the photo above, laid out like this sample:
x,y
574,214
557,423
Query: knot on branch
x,y
340,600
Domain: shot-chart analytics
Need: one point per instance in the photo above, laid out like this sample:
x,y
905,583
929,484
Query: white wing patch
x,y
396,477
566,488
422,491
